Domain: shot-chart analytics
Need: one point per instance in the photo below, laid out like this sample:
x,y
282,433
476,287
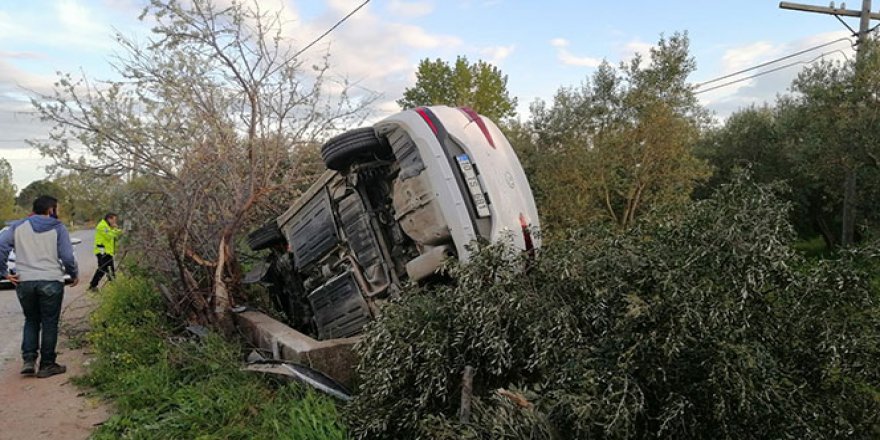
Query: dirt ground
x,y
51,408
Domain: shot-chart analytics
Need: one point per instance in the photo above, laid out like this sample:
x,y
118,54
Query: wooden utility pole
x,y
865,16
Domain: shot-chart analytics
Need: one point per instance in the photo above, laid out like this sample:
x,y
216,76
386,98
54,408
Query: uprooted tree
x,y
213,123
708,325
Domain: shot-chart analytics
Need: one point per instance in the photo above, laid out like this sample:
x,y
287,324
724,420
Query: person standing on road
x,y
39,241
106,234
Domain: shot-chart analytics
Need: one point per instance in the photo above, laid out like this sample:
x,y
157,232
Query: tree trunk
x,y
848,217
825,230
198,309
222,298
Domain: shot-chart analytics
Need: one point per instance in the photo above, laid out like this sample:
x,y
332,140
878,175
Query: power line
x,y
331,29
776,69
773,61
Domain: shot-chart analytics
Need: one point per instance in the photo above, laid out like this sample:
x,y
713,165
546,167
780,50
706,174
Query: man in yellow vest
x,y
106,234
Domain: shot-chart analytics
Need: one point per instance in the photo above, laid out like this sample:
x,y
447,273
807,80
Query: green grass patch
x,y
170,387
814,248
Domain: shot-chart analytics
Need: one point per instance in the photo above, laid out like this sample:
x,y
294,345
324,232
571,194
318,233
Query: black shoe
x,y
92,289
51,370
29,367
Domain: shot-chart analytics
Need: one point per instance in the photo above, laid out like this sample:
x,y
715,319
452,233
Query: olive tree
x,y
209,122
478,85
622,143
832,120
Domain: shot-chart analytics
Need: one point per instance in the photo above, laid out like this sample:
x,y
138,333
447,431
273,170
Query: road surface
x,y
51,408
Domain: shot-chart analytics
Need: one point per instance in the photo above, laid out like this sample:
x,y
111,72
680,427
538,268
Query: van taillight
x,y
474,117
421,111
527,234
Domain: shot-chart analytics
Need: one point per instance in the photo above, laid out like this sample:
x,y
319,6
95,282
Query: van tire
x,y
360,144
265,237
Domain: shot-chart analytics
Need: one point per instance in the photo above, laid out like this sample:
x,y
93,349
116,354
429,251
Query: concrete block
x,y
333,357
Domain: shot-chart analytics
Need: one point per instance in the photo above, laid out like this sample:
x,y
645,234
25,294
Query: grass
x,y
814,248
168,387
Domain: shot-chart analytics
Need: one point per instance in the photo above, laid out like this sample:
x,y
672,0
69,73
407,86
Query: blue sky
x,y
540,45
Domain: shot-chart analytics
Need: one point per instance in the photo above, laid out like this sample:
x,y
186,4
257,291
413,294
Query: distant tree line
x,y
813,138
84,197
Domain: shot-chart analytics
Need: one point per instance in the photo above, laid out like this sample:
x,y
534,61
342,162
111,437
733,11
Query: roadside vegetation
x,y
164,385
707,325
699,278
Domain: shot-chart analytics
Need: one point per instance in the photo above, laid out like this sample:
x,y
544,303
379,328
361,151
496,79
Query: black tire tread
x,y
266,236
342,150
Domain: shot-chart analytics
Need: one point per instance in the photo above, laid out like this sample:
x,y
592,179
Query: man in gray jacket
x,y
40,242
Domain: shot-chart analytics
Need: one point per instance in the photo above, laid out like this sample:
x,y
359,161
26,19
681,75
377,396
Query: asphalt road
x,y
11,318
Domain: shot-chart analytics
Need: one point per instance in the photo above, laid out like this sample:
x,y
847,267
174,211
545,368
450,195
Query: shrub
x,y
709,326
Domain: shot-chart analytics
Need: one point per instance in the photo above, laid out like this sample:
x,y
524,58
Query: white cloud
x,y
386,108
411,9
468,4
346,6
27,165
748,55
122,5
417,37
10,27
18,121
634,47
497,54
15,81
375,51
626,52
78,19
559,42
21,55
69,25
569,59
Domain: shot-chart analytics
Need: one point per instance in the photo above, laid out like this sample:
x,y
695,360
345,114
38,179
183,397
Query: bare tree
x,y
214,121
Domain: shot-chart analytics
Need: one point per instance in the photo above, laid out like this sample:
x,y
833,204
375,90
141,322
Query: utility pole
x,y
865,16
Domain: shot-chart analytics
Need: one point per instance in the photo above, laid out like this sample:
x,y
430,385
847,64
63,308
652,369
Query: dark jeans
x,y
41,303
105,266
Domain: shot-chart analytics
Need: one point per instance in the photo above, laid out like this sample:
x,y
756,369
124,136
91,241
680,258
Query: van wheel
x,y
267,236
353,146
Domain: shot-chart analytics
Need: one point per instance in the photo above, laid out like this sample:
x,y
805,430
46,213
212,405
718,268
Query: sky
x,y
540,45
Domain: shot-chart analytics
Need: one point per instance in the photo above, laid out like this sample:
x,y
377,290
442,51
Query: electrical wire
x,y
774,61
331,29
776,69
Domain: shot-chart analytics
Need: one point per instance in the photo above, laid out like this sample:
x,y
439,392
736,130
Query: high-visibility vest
x,y
105,238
